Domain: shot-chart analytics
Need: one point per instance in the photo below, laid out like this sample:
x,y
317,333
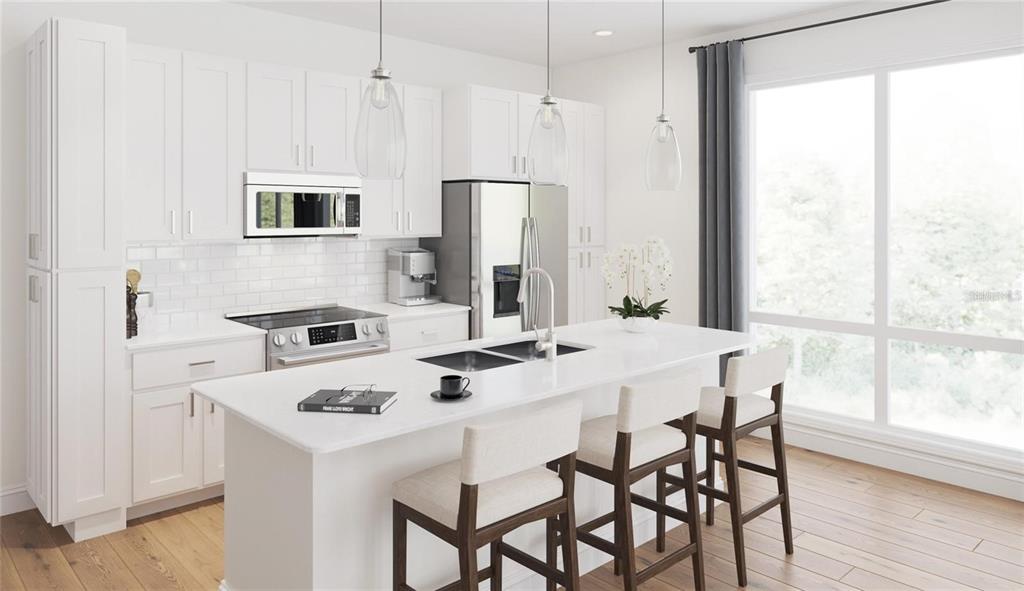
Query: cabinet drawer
x,y
429,331
184,365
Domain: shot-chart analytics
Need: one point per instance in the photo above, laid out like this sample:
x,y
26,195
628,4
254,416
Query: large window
x,y
888,231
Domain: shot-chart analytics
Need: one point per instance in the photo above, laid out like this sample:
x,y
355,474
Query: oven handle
x,y
288,360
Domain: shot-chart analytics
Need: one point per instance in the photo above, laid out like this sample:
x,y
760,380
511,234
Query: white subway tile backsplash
x,y
193,282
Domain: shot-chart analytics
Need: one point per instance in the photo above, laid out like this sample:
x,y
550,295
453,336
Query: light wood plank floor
x,y
856,527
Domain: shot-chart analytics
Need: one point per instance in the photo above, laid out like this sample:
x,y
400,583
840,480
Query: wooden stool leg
x,y
570,561
616,562
468,572
709,454
782,480
624,541
732,478
399,533
496,565
552,549
693,512
661,497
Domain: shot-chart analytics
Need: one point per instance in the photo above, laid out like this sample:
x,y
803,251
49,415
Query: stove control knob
x,y
279,340
296,338
366,329
381,327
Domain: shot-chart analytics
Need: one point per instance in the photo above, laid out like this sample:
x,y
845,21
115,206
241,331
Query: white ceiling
x,y
515,30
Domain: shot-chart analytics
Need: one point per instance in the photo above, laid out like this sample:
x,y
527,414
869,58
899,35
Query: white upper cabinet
x,y
153,161
90,114
593,172
332,107
528,105
421,183
276,109
38,70
482,134
213,141
572,114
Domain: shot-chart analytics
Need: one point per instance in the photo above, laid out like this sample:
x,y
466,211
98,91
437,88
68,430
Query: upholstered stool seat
x,y
435,493
749,407
598,437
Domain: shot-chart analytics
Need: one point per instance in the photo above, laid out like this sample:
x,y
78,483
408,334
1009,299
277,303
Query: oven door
x,y
277,210
326,355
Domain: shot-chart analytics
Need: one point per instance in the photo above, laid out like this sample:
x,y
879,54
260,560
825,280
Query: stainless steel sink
x,y
470,360
527,350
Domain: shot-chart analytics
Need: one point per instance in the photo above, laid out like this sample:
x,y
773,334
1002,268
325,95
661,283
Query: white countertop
x,y
398,313
217,329
269,400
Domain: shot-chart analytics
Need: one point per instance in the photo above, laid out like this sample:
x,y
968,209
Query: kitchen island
x,y
308,495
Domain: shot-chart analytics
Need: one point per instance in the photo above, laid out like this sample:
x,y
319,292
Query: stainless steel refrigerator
x,y
491,232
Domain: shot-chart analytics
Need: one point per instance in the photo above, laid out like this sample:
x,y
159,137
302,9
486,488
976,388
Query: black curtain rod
x,y
831,22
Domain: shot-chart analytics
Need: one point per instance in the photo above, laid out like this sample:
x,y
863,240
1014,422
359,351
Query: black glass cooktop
x,y
304,317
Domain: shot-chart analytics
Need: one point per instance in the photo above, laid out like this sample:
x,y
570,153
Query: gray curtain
x,y
723,187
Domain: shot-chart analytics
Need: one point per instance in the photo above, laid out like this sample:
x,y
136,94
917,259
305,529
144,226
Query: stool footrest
x,y
757,468
758,510
483,574
537,566
660,508
721,495
666,562
597,542
596,523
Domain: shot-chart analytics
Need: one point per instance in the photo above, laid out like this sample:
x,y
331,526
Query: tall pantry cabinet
x,y
77,411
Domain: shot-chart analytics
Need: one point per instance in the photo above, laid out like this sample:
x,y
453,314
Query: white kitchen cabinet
x,y
38,383
381,208
213,142
482,134
276,117
587,291
528,106
153,208
39,115
572,115
332,108
91,432
408,333
421,184
166,443
89,150
213,443
594,178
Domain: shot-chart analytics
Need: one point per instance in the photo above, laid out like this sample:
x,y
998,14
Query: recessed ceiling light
x,y
603,33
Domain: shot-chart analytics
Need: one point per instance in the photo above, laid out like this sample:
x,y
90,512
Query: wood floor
x,y
855,527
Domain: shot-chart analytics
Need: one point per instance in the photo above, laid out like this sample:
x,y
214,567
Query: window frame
x,y
879,328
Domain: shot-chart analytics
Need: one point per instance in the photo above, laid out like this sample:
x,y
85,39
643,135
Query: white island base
x,y
308,495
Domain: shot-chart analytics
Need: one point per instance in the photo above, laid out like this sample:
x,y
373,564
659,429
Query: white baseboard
x,y
1002,476
15,499
173,502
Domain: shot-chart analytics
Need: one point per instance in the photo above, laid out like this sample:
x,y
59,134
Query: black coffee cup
x,y
453,386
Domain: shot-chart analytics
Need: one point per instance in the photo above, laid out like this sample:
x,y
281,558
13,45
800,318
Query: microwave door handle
x,y
339,210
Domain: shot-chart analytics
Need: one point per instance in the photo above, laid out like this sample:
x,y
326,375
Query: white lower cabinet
x,y
213,443
420,332
166,439
587,293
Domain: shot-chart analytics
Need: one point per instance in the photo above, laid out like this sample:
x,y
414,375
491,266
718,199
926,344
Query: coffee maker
x,y
410,272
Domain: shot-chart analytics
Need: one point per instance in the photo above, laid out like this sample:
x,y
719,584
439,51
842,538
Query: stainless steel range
x,y
318,335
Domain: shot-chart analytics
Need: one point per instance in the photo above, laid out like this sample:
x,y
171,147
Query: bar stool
x,y
500,484
731,413
625,448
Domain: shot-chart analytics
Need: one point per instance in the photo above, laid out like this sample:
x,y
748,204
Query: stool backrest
x,y
499,449
653,403
761,370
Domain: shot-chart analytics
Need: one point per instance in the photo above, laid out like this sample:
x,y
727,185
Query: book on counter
x,y
357,399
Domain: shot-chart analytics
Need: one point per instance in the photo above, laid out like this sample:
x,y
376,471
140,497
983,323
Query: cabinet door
x,y
213,443
493,133
90,393
332,107
39,113
153,161
90,114
166,435
594,172
213,118
594,306
276,117
381,208
572,114
422,180
38,385
575,287
528,106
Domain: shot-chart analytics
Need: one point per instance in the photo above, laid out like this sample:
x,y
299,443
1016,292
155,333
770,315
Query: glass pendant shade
x,y
380,132
663,166
547,160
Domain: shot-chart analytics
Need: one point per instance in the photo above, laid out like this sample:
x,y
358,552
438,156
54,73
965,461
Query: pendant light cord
x,y
380,33
662,57
549,48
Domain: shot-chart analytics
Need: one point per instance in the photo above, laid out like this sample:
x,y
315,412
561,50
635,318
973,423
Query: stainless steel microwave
x,y
301,205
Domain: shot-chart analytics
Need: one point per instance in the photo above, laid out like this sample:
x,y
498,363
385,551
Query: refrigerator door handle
x,y
535,262
525,255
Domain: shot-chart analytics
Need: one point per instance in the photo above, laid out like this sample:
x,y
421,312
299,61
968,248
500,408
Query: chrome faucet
x,y
548,345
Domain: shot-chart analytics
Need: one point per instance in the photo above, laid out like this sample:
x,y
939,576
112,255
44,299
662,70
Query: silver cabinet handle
x,y
190,224
198,363
589,238
408,221
191,404
311,165
33,246
515,159
581,261
211,408
174,222
33,288
588,259
297,154
581,234
524,164
397,227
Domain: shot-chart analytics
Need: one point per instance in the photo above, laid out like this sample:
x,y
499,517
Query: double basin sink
x,y
496,356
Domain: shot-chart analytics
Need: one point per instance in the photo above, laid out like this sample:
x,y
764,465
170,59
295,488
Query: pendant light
x,y
663,166
548,154
380,129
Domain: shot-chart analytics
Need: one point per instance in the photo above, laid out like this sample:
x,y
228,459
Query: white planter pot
x,y
636,325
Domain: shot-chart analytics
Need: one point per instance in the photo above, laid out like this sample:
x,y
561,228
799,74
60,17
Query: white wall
x,y
218,28
628,86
